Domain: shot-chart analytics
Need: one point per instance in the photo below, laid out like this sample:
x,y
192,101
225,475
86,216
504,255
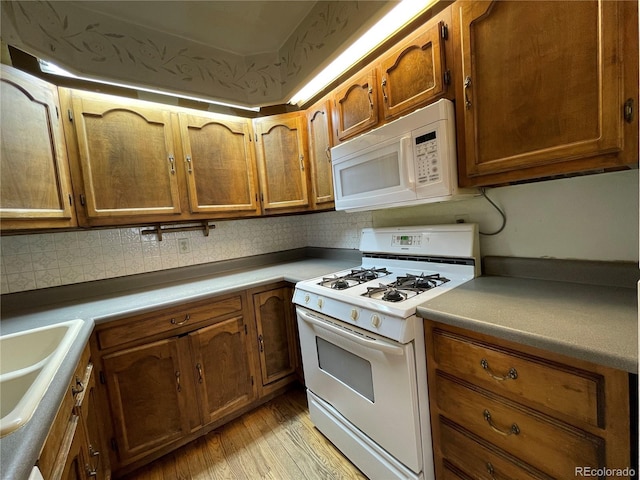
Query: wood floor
x,y
276,441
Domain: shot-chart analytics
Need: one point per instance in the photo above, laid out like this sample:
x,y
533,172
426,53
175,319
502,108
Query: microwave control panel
x,y
428,168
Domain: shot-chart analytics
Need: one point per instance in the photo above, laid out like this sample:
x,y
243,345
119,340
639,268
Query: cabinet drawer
x,y
179,319
478,460
551,446
570,392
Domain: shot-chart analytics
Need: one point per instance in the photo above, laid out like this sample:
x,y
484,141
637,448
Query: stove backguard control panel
x,y
406,240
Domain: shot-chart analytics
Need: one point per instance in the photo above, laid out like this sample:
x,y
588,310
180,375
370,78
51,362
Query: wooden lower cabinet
x,y
276,335
148,395
175,374
507,411
75,445
224,375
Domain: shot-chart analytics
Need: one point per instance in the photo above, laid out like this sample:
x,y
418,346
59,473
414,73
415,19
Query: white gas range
x,y
363,348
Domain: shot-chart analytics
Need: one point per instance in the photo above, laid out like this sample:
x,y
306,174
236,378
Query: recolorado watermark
x,y
604,472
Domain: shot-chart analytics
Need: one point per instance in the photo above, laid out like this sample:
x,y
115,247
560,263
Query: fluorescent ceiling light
x,y
48,67
387,26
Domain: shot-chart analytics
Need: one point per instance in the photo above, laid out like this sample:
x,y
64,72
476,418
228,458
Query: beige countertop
x,y
590,322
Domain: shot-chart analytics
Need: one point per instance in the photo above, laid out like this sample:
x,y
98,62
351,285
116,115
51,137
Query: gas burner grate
x,y
419,282
404,287
353,278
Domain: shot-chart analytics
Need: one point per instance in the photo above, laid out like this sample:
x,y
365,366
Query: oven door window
x,y
348,368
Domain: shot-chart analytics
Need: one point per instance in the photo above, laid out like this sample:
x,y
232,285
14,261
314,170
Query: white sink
x,y
28,362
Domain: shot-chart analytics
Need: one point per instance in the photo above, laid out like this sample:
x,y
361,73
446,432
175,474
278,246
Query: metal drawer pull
x,y
199,368
177,323
490,470
78,388
512,374
91,471
514,430
93,452
467,86
178,381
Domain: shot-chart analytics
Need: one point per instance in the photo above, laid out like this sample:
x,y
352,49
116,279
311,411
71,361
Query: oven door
x,y
369,380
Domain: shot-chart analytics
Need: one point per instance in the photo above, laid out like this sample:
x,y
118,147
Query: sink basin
x,y
28,362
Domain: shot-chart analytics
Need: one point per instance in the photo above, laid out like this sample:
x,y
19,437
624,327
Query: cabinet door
x,y
126,156
76,466
222,368
540,84
319,130
35,191
281,151
276,334
149,396
220,164
412,73
97,460
355,108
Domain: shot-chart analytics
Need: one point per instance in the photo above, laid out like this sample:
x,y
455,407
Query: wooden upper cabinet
x,y
541,87
126,157
355,105
220,165
35,191
414,71
320,143
281,152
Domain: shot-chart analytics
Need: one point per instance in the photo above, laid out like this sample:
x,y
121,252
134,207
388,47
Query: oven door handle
x,y
374,344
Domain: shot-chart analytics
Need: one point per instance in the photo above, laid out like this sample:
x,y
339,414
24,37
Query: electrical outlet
x,y
464,218
183,245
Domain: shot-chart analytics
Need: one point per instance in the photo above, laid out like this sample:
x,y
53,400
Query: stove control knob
x,y
307,298
354,314
320,303
375,320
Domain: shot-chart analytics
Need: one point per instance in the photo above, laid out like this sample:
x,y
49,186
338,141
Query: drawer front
x,y
550,446
479,461
570,392
178,319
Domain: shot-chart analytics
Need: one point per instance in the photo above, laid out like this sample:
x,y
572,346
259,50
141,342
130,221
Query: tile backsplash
x,y
43,260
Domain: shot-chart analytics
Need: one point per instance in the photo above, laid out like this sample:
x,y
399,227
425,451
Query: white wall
x,y
592,217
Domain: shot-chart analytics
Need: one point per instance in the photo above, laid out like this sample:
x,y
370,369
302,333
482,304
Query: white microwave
x,y
409,161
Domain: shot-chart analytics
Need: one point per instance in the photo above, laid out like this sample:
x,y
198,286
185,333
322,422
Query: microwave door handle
x,y
366,342
405,164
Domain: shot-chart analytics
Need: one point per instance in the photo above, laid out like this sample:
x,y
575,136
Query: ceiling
x,y
251,53
241,27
